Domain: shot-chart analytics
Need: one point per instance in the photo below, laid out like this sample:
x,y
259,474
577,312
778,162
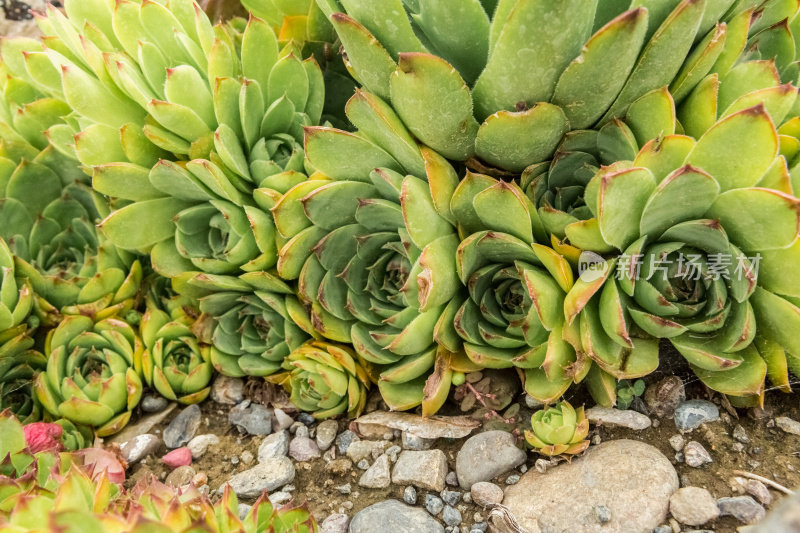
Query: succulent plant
x,y
174,363
325,379
193,127
19,366
452,70
559,430
516,287
16,296
373,246
698,253
251,322
93,374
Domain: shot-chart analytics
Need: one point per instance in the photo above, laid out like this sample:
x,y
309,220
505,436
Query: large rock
x,y
632,479
392,516
144,426
183,427
424,470
267,476
486,456
435,427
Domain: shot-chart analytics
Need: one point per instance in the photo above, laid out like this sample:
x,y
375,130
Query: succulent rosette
x,y
559,430
251,322
47,213
373,246
196,128
512,316
20,363
325,380
93,374
469,78
174,363
699,252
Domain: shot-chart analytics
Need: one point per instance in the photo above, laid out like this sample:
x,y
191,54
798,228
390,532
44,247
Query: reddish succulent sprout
x,y
178,457
43,437
100,460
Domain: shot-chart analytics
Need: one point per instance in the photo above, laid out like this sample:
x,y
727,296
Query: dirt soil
x,y
770,453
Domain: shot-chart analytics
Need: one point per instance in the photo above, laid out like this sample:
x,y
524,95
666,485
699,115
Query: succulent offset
x,y
559,430
93,374
325,379
251,322
173,362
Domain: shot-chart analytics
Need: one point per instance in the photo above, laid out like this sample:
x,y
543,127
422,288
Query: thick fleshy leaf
x,y
663,56
125,228
758,219
699,63
718,152
378,121
698,112
589,85
542,127
330,151
545,53
370,62
460,31
747,378
435,103
652,116
686,194
623,196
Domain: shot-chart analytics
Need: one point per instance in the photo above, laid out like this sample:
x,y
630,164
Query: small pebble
x,y
694,413
153,403
759,491
410,495
433,504
512,480
246,457
281,420
744,508
393,452
180,476
696,455
345,489
306,418
693,506
326,433
303,448
200,444
451,497
788,425
178,457
485,493
677,442
451,516
344,440
335,523
363,464
277,498
602,513
740,434
451,479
